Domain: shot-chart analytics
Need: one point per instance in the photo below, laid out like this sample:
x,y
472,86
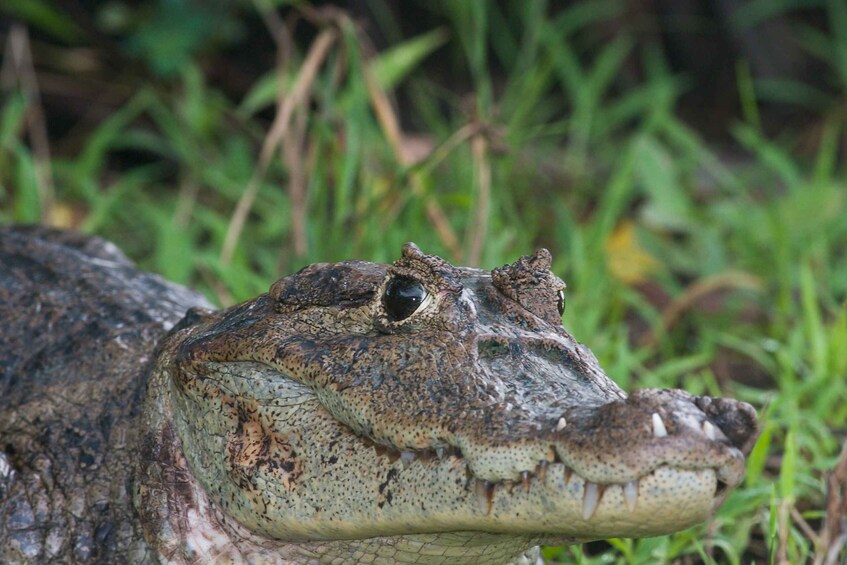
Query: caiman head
x,y
417,407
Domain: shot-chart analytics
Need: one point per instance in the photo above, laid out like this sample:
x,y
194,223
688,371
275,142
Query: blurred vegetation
x,y
685,165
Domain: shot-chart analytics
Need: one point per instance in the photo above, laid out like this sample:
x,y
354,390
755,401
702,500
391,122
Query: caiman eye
x,y
560,302
403,297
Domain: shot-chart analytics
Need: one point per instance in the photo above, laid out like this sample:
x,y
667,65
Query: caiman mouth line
x,y
485,489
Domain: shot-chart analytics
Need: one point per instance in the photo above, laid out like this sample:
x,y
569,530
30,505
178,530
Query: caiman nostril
x,y
737,420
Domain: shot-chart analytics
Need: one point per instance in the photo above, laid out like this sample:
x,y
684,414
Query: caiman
x,y
355,413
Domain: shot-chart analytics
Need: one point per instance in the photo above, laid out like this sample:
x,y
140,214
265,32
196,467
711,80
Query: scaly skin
x,y
316,424
78,328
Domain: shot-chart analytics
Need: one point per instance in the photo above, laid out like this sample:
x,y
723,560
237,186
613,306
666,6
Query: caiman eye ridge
x,y
403,297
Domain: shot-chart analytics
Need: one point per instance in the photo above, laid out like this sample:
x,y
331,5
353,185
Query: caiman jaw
x,y
576,452
277,481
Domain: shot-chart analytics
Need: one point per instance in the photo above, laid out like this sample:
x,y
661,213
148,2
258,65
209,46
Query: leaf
x,y
395,64
11,119
757,459
788,468
174,32
264,93
43,16
27,205
627,260
668,206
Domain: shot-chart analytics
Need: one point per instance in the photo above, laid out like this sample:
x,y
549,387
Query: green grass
x,y
684,268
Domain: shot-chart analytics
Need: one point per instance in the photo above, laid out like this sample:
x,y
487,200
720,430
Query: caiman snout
x,y
627,439
663,451
737,420
570,409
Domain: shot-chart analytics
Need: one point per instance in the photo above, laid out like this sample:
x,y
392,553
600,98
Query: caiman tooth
x,y
541,469
525,480
568,474
593,493
659,429
630,494
709,430
407,457
560,425
484,491
439,451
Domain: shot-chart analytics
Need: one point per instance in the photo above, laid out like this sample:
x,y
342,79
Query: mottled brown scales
x,y
251,449
530,283
79,326
415,412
